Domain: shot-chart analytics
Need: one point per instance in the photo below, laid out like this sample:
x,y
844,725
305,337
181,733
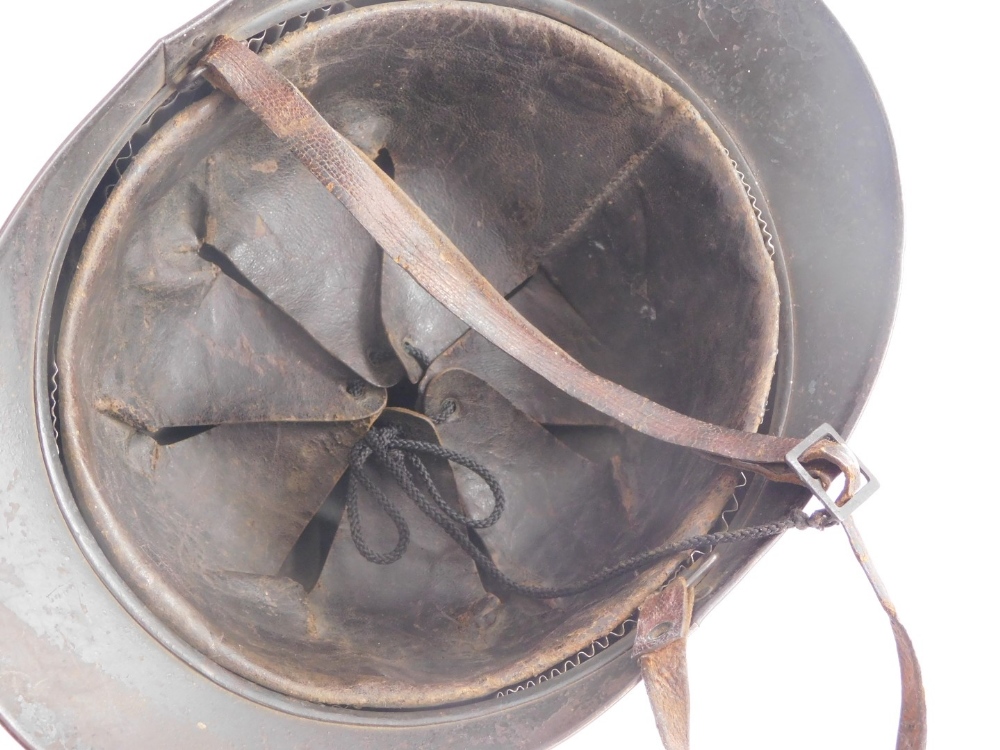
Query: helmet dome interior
x,y
231,333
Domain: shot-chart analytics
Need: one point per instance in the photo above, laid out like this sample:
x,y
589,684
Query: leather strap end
x,y
912,733
661,647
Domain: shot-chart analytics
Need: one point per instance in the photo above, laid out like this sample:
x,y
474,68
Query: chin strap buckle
x,y
857,488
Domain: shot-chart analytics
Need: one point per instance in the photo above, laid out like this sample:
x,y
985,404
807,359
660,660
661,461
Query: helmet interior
x,y
231,333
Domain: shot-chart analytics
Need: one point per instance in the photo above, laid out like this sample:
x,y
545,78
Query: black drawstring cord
x,y
393,452
402,458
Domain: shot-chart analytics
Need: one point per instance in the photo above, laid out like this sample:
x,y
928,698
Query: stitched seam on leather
x,y
615,184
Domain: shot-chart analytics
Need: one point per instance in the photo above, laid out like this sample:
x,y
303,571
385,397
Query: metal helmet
x,y
216,350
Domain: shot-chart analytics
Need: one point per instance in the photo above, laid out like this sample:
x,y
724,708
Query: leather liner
x,y
551,160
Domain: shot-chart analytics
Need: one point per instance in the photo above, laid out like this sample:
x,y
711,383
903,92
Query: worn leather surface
x,y
588,164
661,648
547,485
421,247
569,112
540,302
435,580
174,342
912,733
311,259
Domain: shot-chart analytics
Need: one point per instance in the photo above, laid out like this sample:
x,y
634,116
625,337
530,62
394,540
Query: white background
x,y
799,655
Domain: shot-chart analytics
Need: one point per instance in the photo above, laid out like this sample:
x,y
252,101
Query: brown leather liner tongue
x,y
435,581
304,252
237,497
541,303
564,516
220,354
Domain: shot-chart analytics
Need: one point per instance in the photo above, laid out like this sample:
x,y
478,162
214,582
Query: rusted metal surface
x,y
164,697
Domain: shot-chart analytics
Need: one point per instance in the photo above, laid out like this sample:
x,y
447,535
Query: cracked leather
x,y
221,354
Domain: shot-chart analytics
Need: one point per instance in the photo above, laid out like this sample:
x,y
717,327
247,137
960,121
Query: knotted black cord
x,y
422,359
399,456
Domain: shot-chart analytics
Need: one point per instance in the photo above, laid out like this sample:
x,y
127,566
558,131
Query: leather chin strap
x,y
417,245
661,647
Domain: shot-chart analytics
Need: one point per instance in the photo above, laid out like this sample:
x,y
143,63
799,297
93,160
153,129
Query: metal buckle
x,y
840,512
